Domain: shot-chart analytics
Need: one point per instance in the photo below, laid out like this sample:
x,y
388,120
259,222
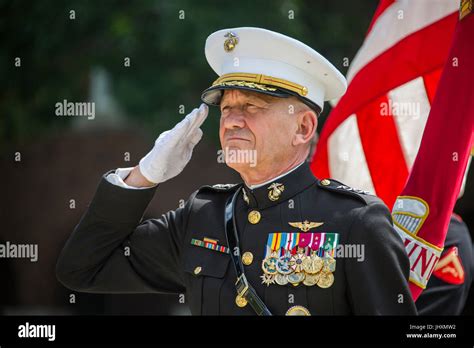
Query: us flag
x,y
379,136
372,135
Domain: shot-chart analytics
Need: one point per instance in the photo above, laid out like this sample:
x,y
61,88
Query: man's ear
x,y
307,124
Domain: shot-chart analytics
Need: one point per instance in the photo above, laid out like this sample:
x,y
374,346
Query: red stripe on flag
x,y
388,177
422,51
431,82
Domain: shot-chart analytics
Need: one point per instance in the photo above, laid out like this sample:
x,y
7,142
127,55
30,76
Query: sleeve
x,y
378,282
117,178
440,296
110,251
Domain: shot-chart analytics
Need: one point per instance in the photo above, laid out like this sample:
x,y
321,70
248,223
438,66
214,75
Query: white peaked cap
x,y
268,62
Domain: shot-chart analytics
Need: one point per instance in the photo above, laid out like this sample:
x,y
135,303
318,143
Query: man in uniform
x,y
282,241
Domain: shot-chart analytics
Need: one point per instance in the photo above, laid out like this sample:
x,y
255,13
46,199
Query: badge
x,y
210,244
283,264
275,192
296,261
311,279
281,279
330,263
312,264
298,310
296,278
268,279
325,280
306,225
449,267
269,264
230,42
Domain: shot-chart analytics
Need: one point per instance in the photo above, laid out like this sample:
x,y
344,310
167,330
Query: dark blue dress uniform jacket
x,y
161,258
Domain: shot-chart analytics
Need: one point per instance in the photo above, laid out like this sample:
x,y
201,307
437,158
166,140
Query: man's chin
x,y
240,167
240,158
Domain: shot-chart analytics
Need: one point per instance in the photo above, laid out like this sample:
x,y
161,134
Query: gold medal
x,y
311,279
312,264
296,278
326,279
298,310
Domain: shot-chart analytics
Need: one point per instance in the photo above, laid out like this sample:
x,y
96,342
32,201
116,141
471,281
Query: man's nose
x,y
234,119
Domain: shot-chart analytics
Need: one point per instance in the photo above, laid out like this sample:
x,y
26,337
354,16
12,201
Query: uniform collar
x,y
280,188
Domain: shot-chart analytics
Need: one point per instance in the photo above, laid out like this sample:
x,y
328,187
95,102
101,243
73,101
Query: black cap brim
x,y
213,95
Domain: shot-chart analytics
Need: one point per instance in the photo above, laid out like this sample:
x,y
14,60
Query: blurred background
x,y
142,63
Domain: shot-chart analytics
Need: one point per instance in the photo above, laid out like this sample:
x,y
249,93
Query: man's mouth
x,y
236,138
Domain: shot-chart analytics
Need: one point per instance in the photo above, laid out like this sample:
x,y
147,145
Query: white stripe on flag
x,y
399,20
347,161
410,108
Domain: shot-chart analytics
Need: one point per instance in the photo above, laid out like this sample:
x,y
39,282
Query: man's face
x,y
257,123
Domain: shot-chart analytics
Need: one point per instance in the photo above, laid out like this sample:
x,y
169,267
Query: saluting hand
x,y
172,150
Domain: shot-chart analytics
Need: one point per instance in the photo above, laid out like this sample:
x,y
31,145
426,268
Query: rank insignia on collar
x,y
211,244
275,192
306,225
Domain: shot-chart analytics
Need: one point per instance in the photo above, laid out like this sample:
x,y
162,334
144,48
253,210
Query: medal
x,y
312,264
267,279
281,279
296,261
330,263
326,279
296,278
283,266
269,264
298,310
311,279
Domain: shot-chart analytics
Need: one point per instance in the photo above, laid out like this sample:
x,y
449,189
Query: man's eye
x,y
253,106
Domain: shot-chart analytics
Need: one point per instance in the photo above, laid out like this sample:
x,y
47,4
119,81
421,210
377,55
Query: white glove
x,y
173,148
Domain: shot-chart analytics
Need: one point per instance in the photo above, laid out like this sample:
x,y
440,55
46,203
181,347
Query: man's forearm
x,y
136,179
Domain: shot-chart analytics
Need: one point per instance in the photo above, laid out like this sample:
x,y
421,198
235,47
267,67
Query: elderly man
x,y
268,245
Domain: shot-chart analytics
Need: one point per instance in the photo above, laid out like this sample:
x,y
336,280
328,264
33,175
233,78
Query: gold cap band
x,y
259,81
